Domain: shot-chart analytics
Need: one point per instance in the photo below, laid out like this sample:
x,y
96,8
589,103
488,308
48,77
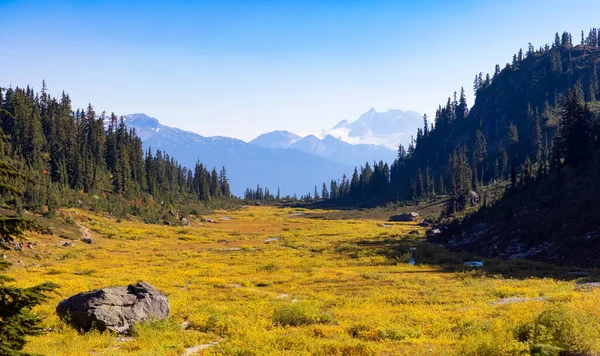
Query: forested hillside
x,y
510,130
76,157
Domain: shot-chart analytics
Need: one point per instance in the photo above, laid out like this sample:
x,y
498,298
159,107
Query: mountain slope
x,y
549,211
247,165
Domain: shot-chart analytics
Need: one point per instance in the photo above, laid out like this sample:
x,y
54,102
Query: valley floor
x,y
281,281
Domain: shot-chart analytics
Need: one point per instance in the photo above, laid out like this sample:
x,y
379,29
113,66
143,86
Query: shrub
x,y
561,329
300,313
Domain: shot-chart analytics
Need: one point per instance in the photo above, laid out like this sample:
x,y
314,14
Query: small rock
x,y
18,246
66,243
222,242
210,221
87,240
271,239
185,221
414,232
168,223
282,296
473,198
433,232
185,324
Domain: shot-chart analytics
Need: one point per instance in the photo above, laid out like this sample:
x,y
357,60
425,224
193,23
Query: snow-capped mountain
x,y
247,164
328,147
388,129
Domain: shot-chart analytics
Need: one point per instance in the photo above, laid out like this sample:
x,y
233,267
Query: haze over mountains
x,y
283,159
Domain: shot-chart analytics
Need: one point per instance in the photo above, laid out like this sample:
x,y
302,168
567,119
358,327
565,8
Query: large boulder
x,y
405,217
114,308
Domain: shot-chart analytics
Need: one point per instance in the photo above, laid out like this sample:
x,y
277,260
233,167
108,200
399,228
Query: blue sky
x,y
241,68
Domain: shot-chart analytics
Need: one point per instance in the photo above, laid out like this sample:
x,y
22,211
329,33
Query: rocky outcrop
x,y
114,308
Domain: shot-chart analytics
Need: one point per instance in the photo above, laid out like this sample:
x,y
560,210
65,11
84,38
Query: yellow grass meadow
x,y
286,283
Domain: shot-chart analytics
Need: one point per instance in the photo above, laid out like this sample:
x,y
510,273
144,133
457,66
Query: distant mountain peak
x,y
140,119
276,139
388,128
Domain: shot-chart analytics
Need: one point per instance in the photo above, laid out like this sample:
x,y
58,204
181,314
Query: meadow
x,y
284,281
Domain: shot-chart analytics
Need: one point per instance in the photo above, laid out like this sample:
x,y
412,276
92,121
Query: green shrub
x,y
300,313
561,329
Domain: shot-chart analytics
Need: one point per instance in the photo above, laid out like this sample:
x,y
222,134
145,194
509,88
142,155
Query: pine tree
x,y
17,321
593,88
574,138
462,108
324,192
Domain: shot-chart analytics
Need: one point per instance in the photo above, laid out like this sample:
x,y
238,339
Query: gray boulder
x,y
405,217
87,240
114,308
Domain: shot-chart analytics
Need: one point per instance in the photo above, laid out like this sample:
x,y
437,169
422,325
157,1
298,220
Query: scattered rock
x,y
185,324
222,242
114,308
185,221
66,243
210,221
473,198
18,246
405,217
433,232
272,239
282,296
87,240
168,223
174,213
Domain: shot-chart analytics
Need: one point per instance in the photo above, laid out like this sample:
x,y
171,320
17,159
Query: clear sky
x,y
241,68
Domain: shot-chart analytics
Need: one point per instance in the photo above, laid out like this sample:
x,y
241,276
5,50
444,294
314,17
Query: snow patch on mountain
x,y
387,129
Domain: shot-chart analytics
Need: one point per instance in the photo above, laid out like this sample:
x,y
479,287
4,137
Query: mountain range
x,y
281,159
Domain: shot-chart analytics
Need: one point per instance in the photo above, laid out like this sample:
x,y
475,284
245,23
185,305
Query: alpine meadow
x,y
269,211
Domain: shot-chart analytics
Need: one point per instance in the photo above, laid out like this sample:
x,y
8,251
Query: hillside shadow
x,y
422,252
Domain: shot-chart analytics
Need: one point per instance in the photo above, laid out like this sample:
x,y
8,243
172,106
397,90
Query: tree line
x,y
72,154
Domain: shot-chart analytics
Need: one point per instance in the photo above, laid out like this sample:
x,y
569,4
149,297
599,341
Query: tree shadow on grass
x,y
422,252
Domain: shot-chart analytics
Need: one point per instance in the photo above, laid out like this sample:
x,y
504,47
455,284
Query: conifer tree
x,y
17,321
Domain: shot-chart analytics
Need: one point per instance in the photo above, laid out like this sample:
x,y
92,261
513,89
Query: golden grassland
x,y
325,287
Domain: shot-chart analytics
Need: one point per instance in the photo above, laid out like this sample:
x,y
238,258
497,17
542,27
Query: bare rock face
x,y
114,308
